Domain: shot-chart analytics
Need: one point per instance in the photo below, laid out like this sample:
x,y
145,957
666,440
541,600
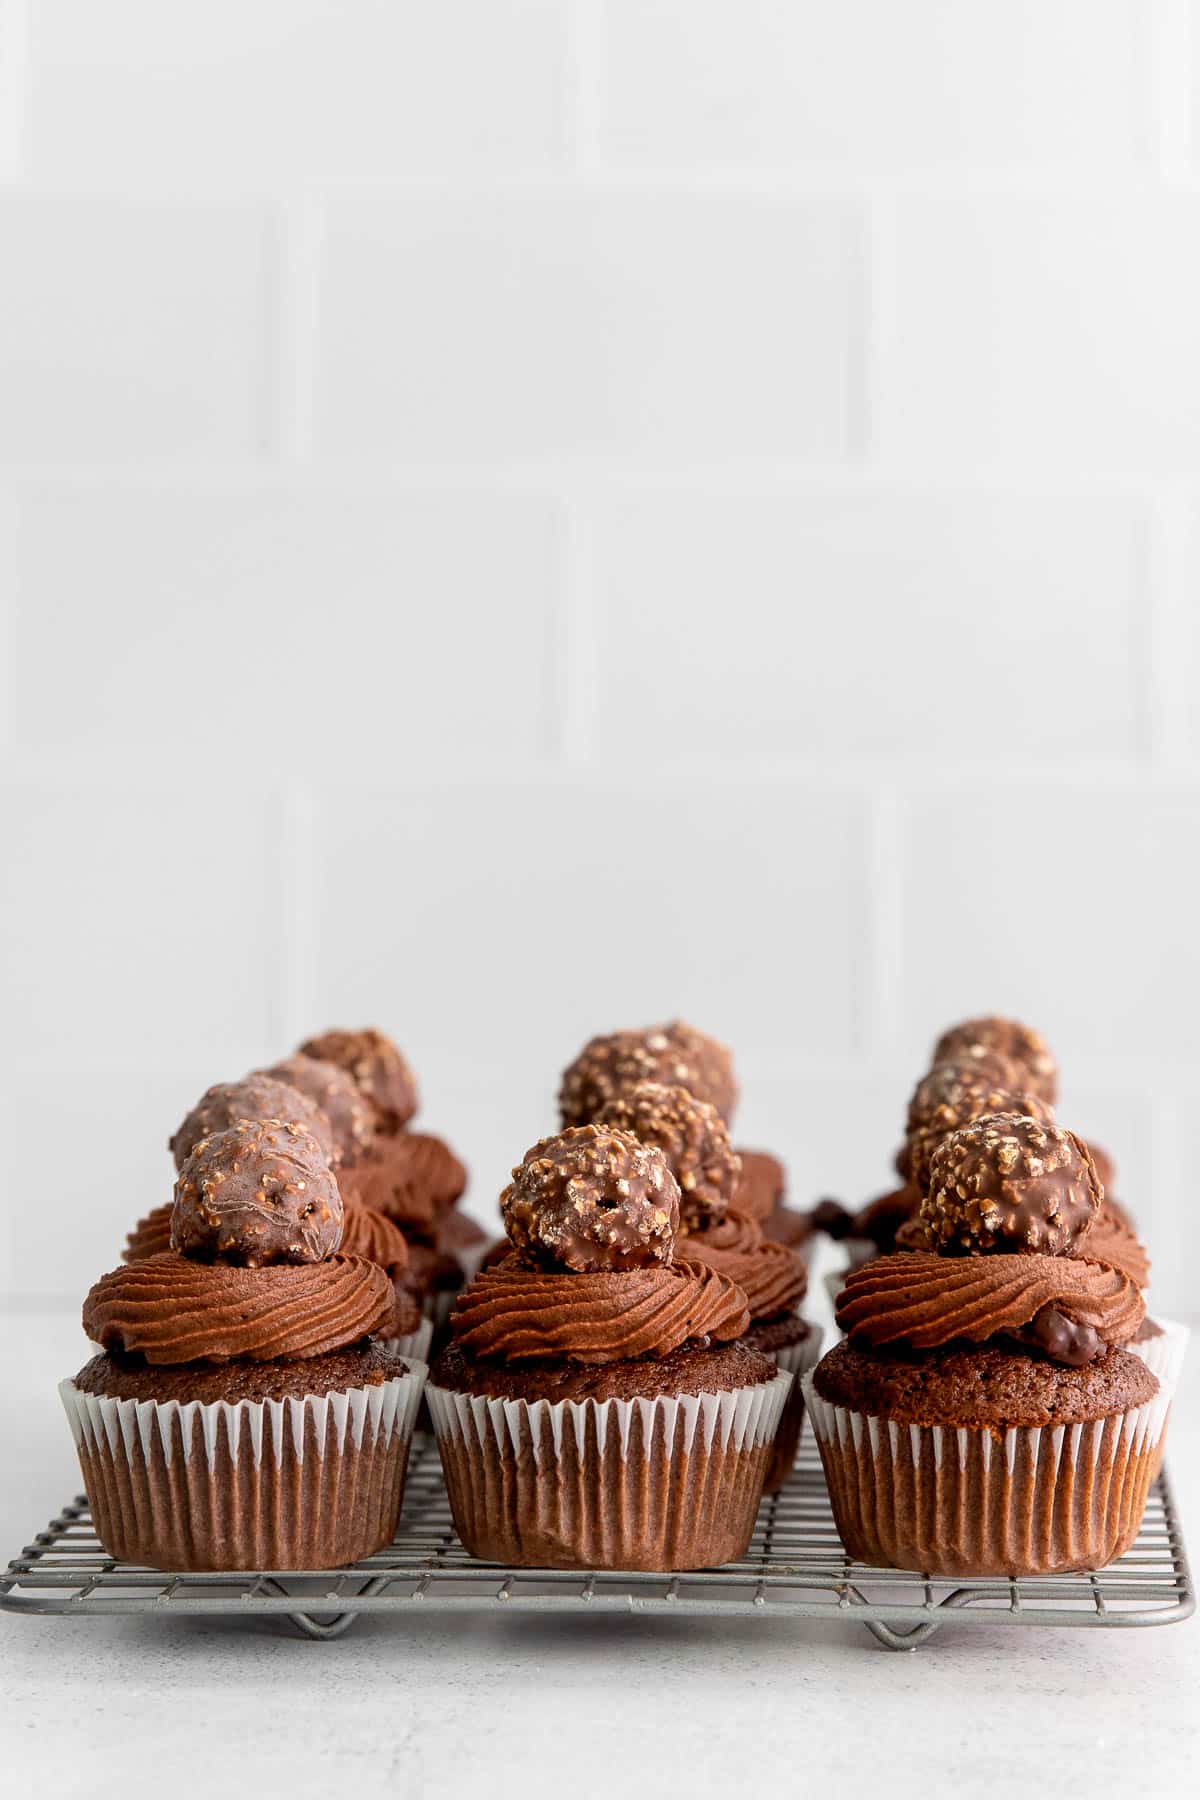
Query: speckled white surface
x,y
563,1708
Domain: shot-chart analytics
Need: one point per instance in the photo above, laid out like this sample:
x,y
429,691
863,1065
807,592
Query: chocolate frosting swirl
x,y
1110,1240
772,1277
171,1309
518,1313
917,1298
370,1233
150,1236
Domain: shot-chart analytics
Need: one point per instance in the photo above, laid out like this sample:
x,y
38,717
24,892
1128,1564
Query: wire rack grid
x,y
795,1567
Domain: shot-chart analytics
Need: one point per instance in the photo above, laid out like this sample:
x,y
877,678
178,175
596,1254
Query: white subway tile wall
x,y
524,516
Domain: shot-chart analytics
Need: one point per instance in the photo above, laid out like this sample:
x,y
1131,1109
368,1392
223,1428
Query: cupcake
x,y
982,1415
416,1180
595,1407
241,1413
695,1144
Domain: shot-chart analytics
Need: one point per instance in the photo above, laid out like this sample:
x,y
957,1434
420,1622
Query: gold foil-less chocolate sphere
x,y
262,1192
592,1198
1010,1183
692,1136
677,1055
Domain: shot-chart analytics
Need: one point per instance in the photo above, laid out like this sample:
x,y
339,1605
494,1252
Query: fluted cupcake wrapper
x,y
1163,1356
415,1344
663,1483
299,1483
1033,1500
797,1359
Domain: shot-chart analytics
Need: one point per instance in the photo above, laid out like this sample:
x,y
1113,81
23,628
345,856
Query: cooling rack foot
x,y
330,1625
900,1640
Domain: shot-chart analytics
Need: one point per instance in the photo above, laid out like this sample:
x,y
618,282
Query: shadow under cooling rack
x,y
795,1567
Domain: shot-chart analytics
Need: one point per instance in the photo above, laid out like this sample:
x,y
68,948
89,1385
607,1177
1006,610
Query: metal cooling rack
x,y
795,1568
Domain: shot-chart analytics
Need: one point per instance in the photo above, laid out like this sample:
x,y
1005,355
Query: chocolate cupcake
x,y
595,1408
983,1416
241,1413
774,1279
416,1180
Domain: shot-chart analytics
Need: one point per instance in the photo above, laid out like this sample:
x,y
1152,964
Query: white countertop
x,y
563,1707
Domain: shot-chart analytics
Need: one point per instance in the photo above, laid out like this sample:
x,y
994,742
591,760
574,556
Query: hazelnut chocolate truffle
x,y
377,1066
1010,1183
692,1137
350,1114
260,1193
677,1055
637,1430
961,1097
254,1097
591,1199
1008,1038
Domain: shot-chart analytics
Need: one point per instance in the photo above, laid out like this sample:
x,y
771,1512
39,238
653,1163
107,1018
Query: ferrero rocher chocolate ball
x,y
1013,1184
691,1135
262,1192
377,1066
962,1095
592,1199
1009,1038
677,1055
351,1115
254,1097
942,1090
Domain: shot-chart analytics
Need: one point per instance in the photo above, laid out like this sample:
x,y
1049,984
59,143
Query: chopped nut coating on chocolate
x,y
254,1097
377,1066
350,1114
1009,1038
261,1192
592,1198
951,1097
676,1055
692,1136
1010,1183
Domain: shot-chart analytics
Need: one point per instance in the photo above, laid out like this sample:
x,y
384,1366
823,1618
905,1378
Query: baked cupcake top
x,y
377,1067
1011,1245
676,1055
254,1097
254,1271
350,1114
592,1215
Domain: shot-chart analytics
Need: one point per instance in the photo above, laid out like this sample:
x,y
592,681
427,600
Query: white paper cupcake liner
x,y
965,1501
797,1359
1163,1355
662,1483
303,1482
415,1345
